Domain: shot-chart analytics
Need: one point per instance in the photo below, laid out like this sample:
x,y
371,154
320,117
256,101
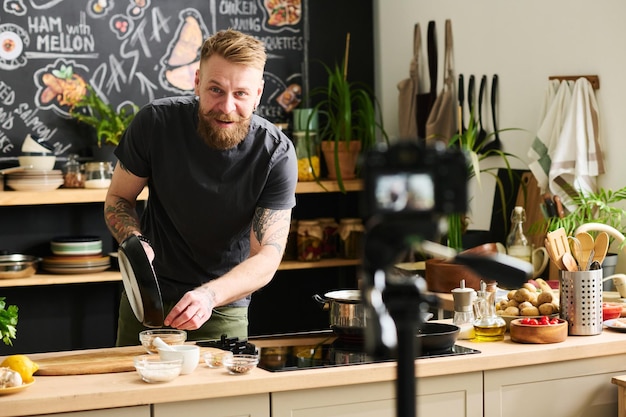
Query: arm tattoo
x,y
263,219
121,219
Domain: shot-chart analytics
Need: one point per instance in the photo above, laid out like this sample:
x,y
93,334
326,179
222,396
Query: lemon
x,y
22,365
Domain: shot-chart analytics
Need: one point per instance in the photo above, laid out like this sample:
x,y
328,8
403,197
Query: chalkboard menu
x,y
129,51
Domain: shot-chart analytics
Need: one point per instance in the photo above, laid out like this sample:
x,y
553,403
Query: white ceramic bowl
x,y
190,354
44,162
153,369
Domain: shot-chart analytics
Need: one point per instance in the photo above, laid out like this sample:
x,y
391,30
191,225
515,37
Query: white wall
x,y
523,42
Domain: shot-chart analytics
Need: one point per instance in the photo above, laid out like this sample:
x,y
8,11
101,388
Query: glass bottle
x,y
517,244
488,326
72,174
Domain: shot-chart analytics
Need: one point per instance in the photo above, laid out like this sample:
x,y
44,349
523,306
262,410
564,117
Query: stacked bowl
x,y
35,180
76,255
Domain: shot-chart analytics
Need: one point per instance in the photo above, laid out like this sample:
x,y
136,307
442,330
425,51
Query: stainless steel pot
x,y
18,266
347,313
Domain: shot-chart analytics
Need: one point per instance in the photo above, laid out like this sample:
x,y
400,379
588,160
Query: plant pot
x,y
348,156
608,269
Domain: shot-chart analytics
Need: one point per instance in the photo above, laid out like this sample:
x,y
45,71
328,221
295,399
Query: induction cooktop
x,y
299,351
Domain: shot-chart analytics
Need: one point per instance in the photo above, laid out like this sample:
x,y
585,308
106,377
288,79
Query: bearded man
x,y
221,188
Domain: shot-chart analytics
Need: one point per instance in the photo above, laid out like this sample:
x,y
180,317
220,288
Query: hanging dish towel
x,y
408,90
577,158
442,120
542,147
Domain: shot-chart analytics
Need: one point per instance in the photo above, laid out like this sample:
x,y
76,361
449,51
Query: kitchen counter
x,y
54,394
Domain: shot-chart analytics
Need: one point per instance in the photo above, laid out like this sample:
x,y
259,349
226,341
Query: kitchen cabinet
x,y
249,406
559,389
452,396
138,411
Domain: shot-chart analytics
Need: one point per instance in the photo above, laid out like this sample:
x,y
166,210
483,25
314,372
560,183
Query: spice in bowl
x,y
215,359
169,336
240,364
153,369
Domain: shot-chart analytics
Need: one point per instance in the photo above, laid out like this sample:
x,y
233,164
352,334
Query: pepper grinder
x,y
463,310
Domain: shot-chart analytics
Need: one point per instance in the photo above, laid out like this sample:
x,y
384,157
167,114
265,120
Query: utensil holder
x,y
581,301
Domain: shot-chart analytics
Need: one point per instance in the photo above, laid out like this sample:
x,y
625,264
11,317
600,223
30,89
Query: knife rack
x,y
593,79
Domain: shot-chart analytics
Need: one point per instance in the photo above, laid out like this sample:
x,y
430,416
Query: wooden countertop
x,y
53,394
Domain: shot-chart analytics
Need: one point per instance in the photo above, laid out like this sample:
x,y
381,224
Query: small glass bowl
x,y
153,369
169,336
240,364
215,359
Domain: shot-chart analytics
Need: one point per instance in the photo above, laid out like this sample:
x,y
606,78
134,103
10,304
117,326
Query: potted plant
x,y
598,207
109,122
350,120
472,142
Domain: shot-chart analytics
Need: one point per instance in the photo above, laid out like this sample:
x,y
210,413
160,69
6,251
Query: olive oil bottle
x,y
488,326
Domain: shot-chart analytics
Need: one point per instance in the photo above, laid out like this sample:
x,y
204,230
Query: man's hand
x,y
193,310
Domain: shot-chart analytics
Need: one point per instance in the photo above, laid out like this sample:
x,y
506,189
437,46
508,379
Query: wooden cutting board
x,y
96,361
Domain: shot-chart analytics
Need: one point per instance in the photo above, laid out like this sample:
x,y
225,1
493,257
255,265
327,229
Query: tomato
x,y
554,320
544,320
530,321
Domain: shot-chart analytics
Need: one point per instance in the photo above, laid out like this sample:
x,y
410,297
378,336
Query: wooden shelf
x,y
324,263
112,276
59,196
85,195
54,279
309,187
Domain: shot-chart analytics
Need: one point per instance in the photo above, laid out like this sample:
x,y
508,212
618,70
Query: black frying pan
x,y
140,283
437,337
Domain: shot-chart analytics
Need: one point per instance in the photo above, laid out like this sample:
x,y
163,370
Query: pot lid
x,y
346,296
140,283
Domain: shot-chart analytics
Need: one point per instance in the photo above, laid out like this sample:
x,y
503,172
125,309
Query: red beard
x,y
222,138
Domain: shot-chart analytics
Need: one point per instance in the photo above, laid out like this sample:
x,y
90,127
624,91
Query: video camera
x,y
408,187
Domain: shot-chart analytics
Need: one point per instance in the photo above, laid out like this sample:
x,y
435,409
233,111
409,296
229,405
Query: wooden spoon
x,y
601,246
577,250
569,262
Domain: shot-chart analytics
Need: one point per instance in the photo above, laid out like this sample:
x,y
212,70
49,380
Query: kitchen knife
x,y
550,206
560,211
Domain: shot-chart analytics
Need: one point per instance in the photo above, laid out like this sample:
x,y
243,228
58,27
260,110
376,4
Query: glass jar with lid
x,y
98,174
351,234
309,240
329,237
308,154
73,176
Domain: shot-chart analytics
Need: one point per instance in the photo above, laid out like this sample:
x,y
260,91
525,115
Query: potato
x,y
511,311
511,294
512,303
530,311
530,287
525,304
545,297
533,299
546,309
522,295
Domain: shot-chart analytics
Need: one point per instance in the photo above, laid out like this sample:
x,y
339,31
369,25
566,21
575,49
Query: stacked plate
x,y
76,255
35,180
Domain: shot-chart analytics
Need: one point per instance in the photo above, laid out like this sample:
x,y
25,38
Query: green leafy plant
x,y
470,142
348,110
598,207
8,322
109,123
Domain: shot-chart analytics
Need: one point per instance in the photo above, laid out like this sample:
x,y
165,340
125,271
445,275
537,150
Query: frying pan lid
x,y
140,283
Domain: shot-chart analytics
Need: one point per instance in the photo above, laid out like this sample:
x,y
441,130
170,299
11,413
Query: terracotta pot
x,y
347,158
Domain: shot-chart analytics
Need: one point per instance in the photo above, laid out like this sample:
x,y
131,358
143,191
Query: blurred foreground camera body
x,y
408,188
